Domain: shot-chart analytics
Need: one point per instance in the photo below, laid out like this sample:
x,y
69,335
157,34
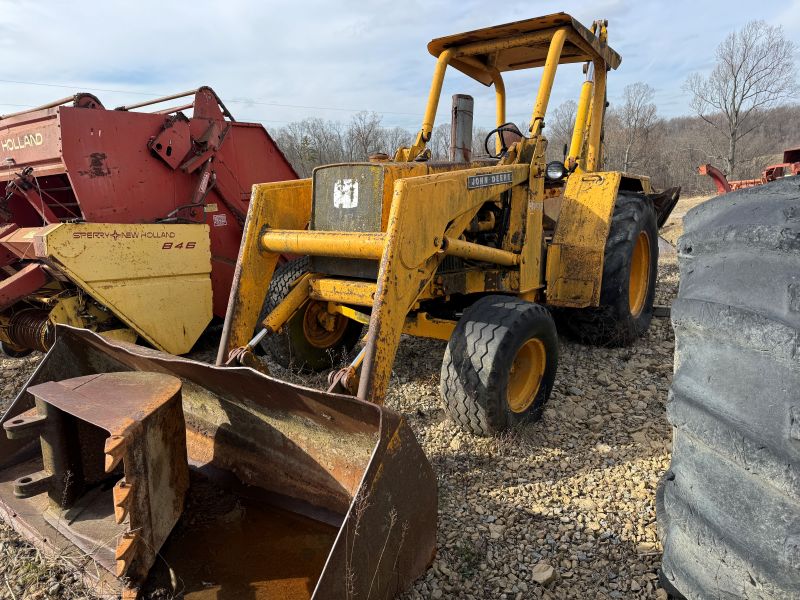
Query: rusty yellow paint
x,y
154,277
412,253
475,281
421,324
548,76
517,210
530,273
344,244
278,205
473,251
500,100
350,313
581,119
67,312
120,335
394,171
486,53
593,159
286,308
575,256
344,291
518,45
74,310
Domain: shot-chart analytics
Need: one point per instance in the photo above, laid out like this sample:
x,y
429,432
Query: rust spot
x,y
97,166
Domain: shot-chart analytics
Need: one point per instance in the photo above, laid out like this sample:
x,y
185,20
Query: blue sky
x,y
277,62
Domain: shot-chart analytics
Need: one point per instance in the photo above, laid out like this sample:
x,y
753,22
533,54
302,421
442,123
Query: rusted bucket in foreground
x,y
292,492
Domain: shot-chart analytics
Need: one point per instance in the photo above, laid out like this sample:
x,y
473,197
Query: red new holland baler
x,y
122,221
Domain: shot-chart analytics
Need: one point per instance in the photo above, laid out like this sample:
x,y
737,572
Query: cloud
x,y
320,56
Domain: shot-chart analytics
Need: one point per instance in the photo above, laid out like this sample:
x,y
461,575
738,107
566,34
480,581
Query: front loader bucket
x,y
290,492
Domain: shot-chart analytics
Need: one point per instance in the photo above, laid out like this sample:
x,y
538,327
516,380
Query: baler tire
x,y
728,508
613,322
289,347
478,361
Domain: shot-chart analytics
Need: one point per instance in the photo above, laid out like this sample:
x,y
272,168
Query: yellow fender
x,y
574,268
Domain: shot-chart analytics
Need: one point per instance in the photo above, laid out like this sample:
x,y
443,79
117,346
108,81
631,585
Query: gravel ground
x,y
562,508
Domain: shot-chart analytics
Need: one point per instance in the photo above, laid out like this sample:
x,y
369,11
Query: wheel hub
x,y
640,274
525,375
321,328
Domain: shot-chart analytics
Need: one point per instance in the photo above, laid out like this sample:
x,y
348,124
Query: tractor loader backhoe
x,y
473,253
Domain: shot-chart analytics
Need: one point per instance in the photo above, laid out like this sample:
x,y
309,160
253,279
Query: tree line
x,y
745,114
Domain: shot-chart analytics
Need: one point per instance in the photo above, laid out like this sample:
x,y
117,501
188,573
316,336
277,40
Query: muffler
x,y
212,482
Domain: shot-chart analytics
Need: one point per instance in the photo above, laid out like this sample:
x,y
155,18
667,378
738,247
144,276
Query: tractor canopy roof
x,y
521,45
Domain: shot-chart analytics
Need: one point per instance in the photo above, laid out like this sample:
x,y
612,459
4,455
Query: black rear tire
x,y
477,366
728,509
615,322
290,346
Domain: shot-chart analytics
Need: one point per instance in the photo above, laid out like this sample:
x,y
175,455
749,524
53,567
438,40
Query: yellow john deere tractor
x,y
474,253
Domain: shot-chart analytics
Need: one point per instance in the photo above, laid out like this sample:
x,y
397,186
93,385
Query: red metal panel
x,y
31,139
21,284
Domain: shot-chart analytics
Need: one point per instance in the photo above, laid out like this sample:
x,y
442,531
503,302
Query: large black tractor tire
x,y
499,365
729,507
302,344
628,288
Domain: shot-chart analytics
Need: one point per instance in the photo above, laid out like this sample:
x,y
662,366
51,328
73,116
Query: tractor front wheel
x,y
630,269
499,365
313,338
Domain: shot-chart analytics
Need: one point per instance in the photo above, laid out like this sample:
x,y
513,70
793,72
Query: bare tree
x,y
479,142
673,149
440,142
365,134
637,116
394,138
559,129
754,70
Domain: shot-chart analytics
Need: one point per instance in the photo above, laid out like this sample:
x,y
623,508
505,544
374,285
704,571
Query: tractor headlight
x,y
555,170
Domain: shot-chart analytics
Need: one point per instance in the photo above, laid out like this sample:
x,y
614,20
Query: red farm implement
x,y
789,166
122,221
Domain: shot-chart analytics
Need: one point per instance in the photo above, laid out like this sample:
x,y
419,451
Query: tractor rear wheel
x,y
728,508
313,338
499,365
630,269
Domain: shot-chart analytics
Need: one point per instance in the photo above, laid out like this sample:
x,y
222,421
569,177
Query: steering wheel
x,y
508,134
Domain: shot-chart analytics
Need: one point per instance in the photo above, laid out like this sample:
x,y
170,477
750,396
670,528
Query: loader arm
x,y
280,205
413,251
